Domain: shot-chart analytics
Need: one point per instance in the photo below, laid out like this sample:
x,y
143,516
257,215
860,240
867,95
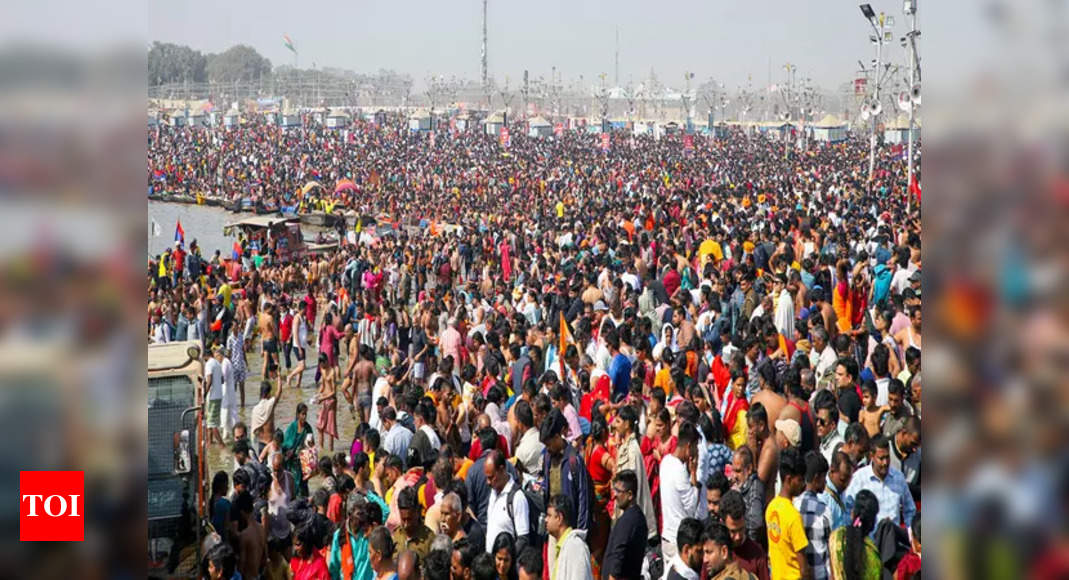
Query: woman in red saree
x,y
308,562
735,408
600,463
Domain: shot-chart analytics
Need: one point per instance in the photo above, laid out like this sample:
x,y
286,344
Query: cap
x,y
916,276
600,305
803,345
791,430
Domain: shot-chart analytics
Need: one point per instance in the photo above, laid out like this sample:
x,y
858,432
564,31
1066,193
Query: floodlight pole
x,y
874,20
911,6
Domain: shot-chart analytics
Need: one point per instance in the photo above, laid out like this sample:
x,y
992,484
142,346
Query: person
x,y
906,453
752,490
716,485
398,437
308,562
856,444
626,546
736,406
529,449
826,420
213,379
504,553
686,563
251,538
600,464
629,458
222,562
328,415
460,560
898,410
529,565
567,554
909,567
262,420
679,487
886,483
380,551
871,415
412,534
851,553
436,565
749,554
235,346
300,340
407,565
718,561
563,471
219,504
296,434
816,515
849,400
348,559
764,447
786,533
425,439
506,510
475,478
482,567
840,471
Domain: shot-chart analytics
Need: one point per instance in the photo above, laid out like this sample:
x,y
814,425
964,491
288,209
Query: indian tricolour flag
x,y
288,43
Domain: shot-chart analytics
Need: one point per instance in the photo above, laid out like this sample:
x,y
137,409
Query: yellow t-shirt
x,y
663,379
225,291
560,209
786,538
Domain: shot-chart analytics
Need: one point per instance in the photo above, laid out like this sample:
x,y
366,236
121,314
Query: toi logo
x,y
51,506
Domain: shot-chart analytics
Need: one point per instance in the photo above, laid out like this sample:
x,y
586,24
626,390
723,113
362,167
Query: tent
x,y
830,129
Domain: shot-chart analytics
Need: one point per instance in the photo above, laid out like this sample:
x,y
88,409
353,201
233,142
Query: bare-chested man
x,y
269,337
252,540
364,375
300,340
764,448
351,344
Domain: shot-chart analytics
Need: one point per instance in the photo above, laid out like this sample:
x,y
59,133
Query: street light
x,y
878,24
866,9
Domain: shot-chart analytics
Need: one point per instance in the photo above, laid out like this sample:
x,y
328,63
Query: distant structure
x,y
616,81
486,83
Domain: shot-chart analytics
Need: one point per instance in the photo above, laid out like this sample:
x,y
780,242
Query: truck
x,y
177,452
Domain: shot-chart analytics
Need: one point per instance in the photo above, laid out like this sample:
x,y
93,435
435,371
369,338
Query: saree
x,y
295,436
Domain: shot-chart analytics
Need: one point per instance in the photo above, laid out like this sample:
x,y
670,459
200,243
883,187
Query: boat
x,y
292,244
322,219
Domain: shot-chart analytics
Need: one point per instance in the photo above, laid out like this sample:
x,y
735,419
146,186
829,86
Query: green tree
x,y
173,63
239,63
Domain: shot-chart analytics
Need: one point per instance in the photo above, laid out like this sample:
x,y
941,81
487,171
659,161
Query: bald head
x,y
483,421
408,565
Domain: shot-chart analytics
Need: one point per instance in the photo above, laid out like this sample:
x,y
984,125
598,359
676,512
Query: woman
x,y
328,397
735,407
716,454
601,464
851,554
296,433
504,552
308,562
629,456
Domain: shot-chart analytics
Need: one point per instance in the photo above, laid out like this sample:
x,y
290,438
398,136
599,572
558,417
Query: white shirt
x,y
822,361
785,313
213,372
228,383
882,390
432,437
679,499
378,390
497,515
161,335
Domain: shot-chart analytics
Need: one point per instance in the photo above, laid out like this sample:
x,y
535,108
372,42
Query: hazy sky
x,y
725,39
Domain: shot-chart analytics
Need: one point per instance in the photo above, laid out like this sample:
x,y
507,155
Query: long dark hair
x,y
866,507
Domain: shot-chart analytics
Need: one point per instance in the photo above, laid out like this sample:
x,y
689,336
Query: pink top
x,y
450,343
326,343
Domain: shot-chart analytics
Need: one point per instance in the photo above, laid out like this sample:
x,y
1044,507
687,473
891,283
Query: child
x,y
274,446
871,416
309,456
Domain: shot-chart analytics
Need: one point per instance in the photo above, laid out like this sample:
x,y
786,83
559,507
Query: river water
x,y
205,224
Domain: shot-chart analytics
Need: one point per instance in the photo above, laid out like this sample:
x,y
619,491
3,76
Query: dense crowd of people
x,y
664,360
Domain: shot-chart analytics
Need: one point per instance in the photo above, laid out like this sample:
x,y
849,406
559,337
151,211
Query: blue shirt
x,y
838,513
896,503
620,375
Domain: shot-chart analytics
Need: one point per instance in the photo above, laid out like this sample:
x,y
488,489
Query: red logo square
x,y
51,506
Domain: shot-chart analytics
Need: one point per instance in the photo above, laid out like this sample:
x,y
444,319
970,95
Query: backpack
x,y
535,510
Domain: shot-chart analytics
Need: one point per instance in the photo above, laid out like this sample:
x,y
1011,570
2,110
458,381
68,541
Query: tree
x,y
239,63
173,63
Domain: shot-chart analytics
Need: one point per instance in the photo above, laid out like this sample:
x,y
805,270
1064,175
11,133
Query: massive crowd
x,y
660,360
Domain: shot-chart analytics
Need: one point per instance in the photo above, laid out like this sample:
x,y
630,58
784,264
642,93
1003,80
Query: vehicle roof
x,y
170,356
261,221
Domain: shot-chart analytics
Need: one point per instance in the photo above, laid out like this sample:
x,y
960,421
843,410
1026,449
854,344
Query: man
x,y
507,510
455,520
529,449
475,478
846,375
262,421
412,534
626,547
464,553
436,565
529,564
840,471
788,434
213,379
718,562
425,439
784,317
679,487
380,551
886,483
619,368
856,444
764,447
906,453
716,485
567,554
563,470
752,490
748,554
822,356
826,421
398,437
686,564
299,338
786,533
686,332
408,565
816,516
898,410
252,539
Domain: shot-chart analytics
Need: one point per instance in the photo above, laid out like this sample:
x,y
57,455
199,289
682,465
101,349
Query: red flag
x,y
179,233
